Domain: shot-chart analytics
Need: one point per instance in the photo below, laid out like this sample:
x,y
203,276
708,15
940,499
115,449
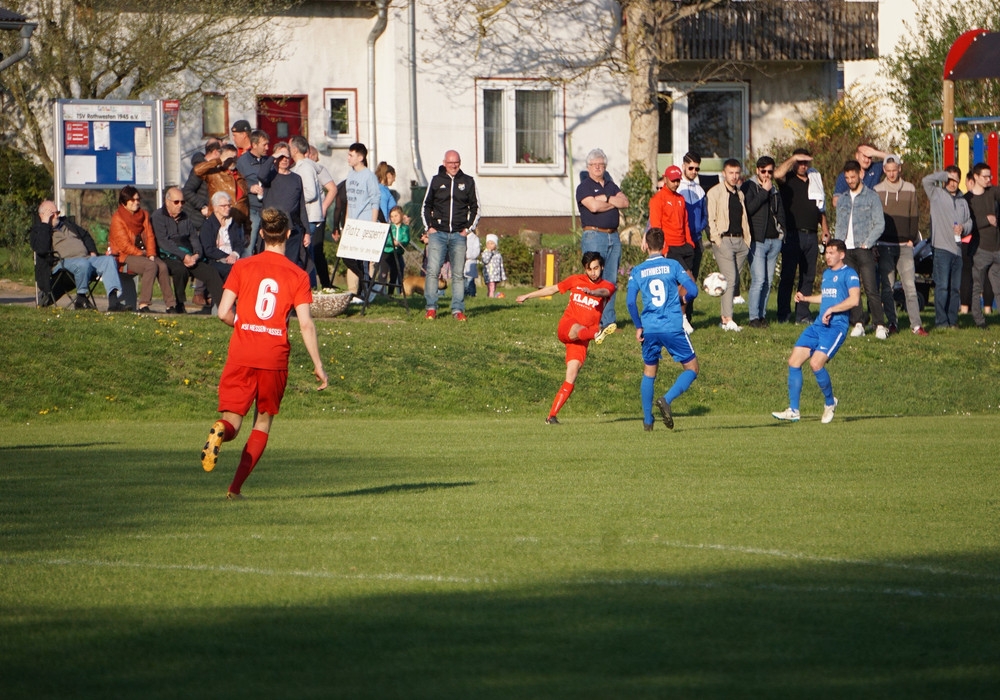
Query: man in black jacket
x,y
450,213
60,243
767,229
180,248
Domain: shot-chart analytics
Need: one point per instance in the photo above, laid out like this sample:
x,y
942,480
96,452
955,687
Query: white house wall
x,y
327,51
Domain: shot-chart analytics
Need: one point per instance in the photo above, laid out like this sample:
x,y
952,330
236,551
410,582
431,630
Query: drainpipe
x,y
383,12
418,167
27,28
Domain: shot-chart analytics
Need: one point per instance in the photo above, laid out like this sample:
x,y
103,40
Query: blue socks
x,y
646,390
825,385
794,387
681,384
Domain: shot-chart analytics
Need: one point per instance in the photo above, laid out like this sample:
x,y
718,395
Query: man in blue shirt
x,y
600,200
819,342
661,324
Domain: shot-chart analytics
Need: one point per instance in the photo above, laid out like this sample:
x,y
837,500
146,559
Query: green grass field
x,y
416,531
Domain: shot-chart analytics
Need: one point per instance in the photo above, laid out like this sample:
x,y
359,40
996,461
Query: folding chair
x,y
61,282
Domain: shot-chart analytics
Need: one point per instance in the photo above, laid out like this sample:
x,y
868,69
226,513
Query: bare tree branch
x,y
118,49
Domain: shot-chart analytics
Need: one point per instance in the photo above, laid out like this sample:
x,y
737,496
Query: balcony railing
x,y
778,30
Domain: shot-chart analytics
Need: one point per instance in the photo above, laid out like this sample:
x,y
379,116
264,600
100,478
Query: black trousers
x,y
864,263
798,255
201,271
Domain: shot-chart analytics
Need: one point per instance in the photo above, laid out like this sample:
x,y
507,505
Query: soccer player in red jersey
x,y
257,300
581,322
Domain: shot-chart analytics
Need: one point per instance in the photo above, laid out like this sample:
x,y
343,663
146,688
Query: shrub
x,y
832,134
518,259
639,189
15,224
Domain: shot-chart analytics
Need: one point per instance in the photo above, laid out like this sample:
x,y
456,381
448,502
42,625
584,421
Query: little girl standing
x,y
493,270
391,265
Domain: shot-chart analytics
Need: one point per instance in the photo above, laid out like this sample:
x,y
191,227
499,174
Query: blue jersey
x,y
656,278
836,288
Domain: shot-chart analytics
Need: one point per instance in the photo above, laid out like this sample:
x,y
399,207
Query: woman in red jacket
x,y
131,241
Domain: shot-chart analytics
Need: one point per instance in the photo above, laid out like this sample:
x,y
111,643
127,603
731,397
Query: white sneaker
x,y
739,300
357,300
881,332
858,331
688,328
730,326
788,414
828,412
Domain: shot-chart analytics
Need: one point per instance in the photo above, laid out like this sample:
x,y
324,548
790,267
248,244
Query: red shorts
x,y
575,349
240,387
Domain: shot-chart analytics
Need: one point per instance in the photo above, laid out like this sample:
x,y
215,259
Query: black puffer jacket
x,y
763,209
451,204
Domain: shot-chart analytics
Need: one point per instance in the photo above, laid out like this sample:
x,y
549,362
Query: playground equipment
x,y
975,55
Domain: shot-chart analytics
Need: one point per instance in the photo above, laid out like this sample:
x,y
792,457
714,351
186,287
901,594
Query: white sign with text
x,y
362,240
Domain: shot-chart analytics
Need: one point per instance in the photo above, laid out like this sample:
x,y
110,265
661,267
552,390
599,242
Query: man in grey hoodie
x,y
950,220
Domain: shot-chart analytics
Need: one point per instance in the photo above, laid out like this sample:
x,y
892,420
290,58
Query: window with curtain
x,y
520,128
533,132
214,115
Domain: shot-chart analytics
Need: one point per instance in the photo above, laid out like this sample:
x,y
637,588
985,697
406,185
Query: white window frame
x,y
679,93
510,166
346,138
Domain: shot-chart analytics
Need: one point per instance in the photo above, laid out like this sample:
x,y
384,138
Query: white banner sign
x,y
362,240
92,112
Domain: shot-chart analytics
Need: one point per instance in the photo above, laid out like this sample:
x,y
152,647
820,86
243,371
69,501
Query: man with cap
x,y
668,212
241,136
600,199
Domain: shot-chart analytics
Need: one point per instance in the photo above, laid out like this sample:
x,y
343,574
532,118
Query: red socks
x,y
251,455
229,432
564,391
587,333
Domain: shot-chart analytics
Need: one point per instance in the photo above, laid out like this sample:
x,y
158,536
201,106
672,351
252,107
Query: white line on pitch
x,y
435,578
923,568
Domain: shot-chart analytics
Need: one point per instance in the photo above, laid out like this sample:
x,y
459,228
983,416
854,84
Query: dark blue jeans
x,y
947,288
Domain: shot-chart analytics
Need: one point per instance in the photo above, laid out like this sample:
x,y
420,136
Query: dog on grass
x,y
414,284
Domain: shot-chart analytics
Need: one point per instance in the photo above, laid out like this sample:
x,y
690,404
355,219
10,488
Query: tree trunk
x,y
640,36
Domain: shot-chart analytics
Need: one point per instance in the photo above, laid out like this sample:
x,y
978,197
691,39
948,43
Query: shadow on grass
x,y
394,488
816,631
54,446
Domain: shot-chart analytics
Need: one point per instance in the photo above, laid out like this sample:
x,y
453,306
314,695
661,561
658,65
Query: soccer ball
x,y
715,284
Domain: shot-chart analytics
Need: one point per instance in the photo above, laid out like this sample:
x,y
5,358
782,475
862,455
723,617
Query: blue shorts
x,y
677,344
824,339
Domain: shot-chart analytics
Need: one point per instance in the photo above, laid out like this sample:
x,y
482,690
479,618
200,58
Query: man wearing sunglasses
x,y
181,249
767,230
697,211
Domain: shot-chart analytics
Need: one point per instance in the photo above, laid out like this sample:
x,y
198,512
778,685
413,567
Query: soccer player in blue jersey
x,y
819,342
660,281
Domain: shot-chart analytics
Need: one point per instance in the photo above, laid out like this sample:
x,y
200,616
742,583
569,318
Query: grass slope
x,y
416,531
505,360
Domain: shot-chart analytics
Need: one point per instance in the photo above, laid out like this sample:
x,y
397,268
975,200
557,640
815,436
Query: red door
x,y
282,116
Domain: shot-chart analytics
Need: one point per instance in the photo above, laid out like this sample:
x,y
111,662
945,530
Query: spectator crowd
x,y
777,213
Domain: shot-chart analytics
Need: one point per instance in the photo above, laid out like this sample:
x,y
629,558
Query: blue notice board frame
x,y
107,144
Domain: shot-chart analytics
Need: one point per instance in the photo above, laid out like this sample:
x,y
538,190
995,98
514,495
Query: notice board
x,y
107,144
